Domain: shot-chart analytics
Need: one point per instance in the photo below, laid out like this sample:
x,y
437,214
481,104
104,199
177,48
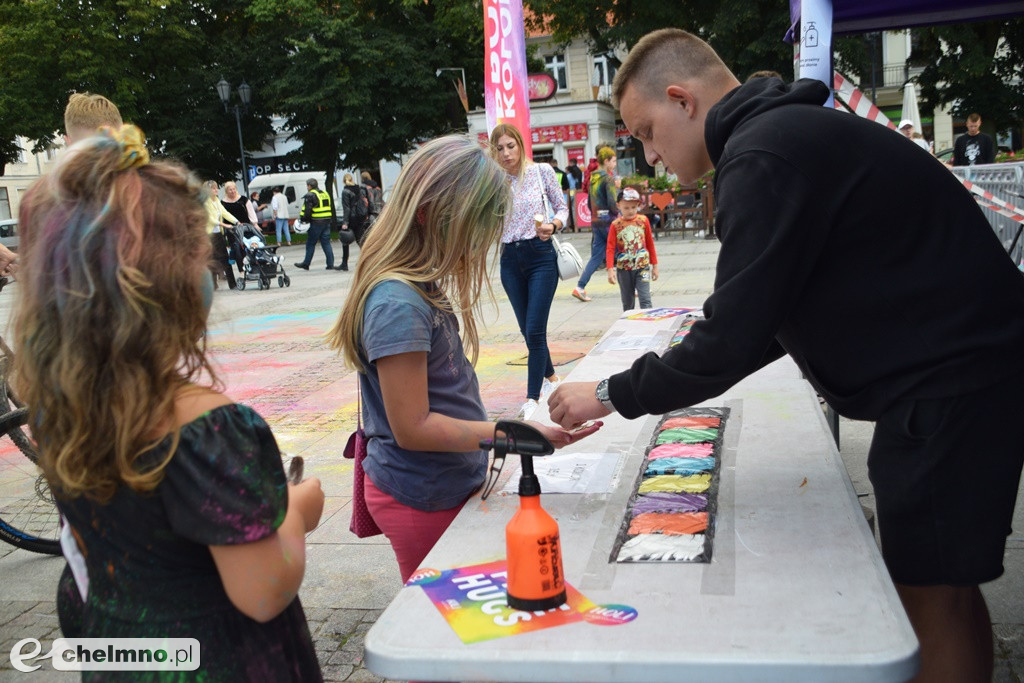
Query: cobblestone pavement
x,y
271,355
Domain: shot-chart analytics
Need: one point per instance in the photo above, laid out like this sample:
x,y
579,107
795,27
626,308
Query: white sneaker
x,y
527,410
548,386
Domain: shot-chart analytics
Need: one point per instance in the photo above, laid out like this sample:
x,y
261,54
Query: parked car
x,y
8,227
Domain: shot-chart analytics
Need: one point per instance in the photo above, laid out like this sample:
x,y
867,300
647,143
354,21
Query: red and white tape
x,y
994,203
858,102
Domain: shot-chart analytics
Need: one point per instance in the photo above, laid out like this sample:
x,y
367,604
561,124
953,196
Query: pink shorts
x,y
412,532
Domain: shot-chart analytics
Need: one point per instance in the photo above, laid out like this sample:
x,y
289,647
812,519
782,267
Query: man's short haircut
x,y
85,114
974,117
311,183
764,73
664,57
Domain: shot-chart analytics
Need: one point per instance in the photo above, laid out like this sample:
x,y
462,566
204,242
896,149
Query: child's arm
x,y
262,578
403,384
649,243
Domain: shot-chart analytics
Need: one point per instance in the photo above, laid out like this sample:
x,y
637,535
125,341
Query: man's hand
x,y
574,403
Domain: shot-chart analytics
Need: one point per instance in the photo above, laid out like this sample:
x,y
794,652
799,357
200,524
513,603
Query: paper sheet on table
x,y
625,342
571,473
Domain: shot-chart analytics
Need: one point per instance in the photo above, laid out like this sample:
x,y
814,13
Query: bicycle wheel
x,y
28,513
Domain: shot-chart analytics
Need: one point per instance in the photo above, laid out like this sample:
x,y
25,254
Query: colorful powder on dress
x,y
681,450
669,502
696,483
672,523
686,435
679,466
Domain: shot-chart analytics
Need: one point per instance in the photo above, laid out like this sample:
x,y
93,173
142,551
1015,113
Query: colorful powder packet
x,y
696,422
686,435
661,547
659,501
675,523
679,466
695,483
682,450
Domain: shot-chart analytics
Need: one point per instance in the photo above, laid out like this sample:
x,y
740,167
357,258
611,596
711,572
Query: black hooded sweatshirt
x,y
847,246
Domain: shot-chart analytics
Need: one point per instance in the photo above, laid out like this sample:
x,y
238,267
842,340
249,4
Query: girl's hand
x,y
560,438
308,499
612,277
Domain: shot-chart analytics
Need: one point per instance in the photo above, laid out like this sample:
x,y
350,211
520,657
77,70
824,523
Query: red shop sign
x,y
540,87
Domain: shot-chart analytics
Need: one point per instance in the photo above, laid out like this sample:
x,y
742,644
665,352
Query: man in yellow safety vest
x,y
316,210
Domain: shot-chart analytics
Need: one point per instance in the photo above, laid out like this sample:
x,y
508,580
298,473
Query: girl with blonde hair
x,y
182,523
421,269
529,265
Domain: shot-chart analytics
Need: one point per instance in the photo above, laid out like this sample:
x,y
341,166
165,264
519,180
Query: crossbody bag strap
x,y
359,401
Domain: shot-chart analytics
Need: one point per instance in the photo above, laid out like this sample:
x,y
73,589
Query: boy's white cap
x,y
629,194
905,122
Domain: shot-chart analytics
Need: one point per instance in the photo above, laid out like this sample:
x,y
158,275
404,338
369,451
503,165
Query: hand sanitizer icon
x,y
811,35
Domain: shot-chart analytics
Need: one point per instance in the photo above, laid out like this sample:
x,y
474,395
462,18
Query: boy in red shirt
x,y
631,251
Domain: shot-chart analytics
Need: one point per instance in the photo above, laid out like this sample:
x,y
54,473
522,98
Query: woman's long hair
x,y
445,213
508,129
111,311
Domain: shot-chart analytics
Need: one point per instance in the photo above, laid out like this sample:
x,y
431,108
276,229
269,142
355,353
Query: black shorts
x,y
946,473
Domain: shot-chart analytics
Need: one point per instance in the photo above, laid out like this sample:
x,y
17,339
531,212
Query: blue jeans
x,y
529,274
282,225
319,231
598,247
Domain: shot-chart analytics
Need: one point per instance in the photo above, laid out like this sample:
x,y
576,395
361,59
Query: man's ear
x,y
683,97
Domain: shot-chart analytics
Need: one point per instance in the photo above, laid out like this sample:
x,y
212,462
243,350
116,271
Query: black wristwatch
x,y
601,392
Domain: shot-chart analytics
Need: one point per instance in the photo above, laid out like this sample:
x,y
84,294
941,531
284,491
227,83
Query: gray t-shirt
x,y
396,319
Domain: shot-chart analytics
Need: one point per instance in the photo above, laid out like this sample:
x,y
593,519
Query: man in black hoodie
x,y
865,260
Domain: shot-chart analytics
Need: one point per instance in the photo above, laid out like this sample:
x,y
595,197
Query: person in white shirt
x,y
279,205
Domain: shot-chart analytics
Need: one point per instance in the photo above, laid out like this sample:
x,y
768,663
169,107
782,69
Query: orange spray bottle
x,y
535,577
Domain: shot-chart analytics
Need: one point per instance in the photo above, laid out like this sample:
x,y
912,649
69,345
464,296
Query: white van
x,y
294,188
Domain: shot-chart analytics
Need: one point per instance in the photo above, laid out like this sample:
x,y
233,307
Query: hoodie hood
x,y
753,99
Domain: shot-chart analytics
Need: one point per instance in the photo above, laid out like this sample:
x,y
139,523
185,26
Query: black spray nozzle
x,y
524,440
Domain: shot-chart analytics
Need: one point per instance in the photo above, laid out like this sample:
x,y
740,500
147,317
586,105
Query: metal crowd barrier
x,y
1005,181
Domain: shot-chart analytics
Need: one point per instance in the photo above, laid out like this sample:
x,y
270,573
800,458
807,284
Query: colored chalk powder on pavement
x,y
687,435
660,501
661,547
681,450
696,483
682,466
672,523
694,422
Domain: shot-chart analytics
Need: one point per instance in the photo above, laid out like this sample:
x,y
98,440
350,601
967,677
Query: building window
x,y
555,65
21,154
604,74
5,204
51,154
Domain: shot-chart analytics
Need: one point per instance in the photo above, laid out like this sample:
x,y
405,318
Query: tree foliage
x,y
975,67
156,59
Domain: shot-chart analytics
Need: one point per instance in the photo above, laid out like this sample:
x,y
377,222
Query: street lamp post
x,y
245,96
462,95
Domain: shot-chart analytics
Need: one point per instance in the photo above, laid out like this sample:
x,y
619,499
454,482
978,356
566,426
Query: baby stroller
x,y
256,261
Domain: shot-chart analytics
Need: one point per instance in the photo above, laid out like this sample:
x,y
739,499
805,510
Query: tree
x,y
157,61
975,68
357,82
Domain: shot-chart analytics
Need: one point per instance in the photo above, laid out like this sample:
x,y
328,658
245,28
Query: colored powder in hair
x,y
679,466
686,435
681,450
669,502
672,523
695,483
694,422
662,547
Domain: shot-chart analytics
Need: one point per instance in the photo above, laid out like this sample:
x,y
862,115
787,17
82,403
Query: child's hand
x,y
560,438
654,271
308,498
612,278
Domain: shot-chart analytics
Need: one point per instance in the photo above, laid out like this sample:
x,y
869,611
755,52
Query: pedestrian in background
x,y
279,207
162,479
355,204
631,258
422,411
974,147
316,210
603,211
218,220
529,267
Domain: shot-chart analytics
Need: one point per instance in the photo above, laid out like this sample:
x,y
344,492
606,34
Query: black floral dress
x,y
151,574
